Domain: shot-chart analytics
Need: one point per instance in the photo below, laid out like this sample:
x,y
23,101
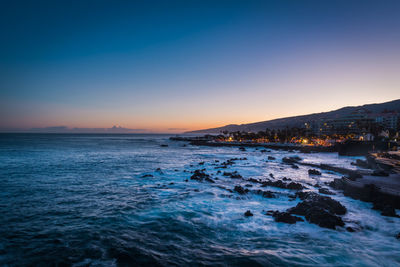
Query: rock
x,y
241,190
199,175
248,213
271,175
254,180
163,145
314,172
271,158
398,236
311,199
389,211
380,173
350,229
294,166
201,163
320,210
286,217
325,191
263,151
234,175
266,194
290,160
361,163
248,185
242,148
147,176
208,179
294,186
280,184
323,218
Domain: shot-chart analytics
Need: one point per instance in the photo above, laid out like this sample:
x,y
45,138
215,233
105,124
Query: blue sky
x,y
189,65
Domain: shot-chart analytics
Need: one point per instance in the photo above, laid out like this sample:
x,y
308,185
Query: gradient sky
x,y
170,66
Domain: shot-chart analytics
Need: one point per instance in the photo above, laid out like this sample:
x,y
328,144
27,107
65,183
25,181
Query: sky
x,y
174,66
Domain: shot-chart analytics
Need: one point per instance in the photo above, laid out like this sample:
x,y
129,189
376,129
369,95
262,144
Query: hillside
x,y
298,121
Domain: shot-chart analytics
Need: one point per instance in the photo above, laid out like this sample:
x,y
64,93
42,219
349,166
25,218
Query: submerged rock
x,y
314,172
248,213
147,175
271,158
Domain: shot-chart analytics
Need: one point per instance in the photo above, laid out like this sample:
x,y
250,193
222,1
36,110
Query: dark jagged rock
x,y
291,160
294,166
242,148
325,191
323,218
263,151
271,175
285,217
398,236
271,158
199,175
254,180
280,184
389,211
294,186
163,145
311,199
241,190
286,179
201,163
248,213
380,173
234,175
314,172
350,229
361,163
147,175
248,185
320,210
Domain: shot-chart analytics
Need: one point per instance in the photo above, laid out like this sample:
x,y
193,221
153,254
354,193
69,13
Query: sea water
x,y
121,200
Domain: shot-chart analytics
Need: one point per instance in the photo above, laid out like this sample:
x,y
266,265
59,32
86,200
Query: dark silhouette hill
x,y
298,121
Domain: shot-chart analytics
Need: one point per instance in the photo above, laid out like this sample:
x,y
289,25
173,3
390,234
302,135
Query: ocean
x,y
125,200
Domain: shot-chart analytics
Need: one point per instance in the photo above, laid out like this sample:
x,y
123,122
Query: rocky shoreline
x,y
316,208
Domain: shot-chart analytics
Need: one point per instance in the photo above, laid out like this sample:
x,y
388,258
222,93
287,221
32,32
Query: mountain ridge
x,y
298,121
